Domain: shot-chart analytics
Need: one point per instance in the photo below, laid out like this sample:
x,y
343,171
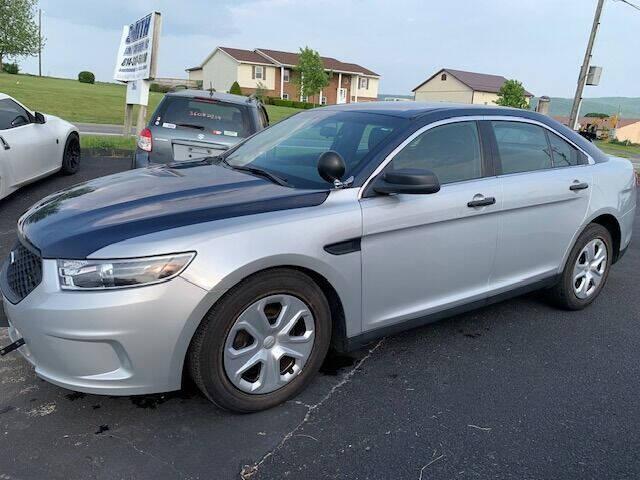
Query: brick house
x,y
274,69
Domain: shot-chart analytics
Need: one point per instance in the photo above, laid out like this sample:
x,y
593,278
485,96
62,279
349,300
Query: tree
x,y
512,94
235,89
311,76
18,29
261,91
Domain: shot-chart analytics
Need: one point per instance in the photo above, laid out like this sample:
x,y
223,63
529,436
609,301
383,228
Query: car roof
x,y
225,97
413,109
3,96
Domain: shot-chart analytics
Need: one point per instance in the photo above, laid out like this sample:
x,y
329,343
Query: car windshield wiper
x,y
190,125
258,171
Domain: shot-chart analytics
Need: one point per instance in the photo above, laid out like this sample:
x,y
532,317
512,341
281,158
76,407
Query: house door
x,y
342,95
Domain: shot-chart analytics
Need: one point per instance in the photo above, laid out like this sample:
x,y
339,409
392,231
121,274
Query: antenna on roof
x,y
211,89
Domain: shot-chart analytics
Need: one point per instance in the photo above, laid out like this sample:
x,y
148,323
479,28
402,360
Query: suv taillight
x,y
144,140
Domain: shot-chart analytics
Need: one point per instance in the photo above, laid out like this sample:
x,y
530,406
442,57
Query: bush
x,y
291,103
11,68
86,77
156,87
623,143
235,89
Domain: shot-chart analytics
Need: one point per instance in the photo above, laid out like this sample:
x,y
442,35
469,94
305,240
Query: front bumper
x,y
118,342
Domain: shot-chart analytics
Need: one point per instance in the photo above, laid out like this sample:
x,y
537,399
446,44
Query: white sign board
x,y
138,92
136,55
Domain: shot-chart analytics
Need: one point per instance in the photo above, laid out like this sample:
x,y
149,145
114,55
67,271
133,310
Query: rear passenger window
x,y
522,147
450,151
564,155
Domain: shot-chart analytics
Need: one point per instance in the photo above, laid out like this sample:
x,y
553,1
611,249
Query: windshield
x,y
207,115
290,149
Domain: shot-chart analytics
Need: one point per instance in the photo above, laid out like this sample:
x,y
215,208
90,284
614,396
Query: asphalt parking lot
x,y
516,390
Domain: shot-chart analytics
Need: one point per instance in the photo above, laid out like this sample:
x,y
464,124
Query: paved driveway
x,y
516,390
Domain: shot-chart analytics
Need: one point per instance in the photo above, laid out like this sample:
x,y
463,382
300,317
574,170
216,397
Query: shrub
x,y
291,103
11,68
86,77
235,89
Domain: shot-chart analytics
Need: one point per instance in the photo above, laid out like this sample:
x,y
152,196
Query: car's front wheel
x,y
262,342
586,270
71,155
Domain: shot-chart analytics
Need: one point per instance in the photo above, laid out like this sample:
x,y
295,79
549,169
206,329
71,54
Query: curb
x,y
108,152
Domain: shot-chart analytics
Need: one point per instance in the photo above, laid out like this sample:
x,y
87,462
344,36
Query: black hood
x,y
78,221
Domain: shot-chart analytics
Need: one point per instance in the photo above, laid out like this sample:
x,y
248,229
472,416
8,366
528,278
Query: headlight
x,y
123,273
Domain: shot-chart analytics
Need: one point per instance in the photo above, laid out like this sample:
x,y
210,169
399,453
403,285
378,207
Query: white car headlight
x,y
121,273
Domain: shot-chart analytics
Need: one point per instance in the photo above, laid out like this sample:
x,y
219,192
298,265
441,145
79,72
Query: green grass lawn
x,y
108,142
83,102
619,150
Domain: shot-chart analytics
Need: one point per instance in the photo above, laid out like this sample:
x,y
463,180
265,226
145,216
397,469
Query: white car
x,y
33,145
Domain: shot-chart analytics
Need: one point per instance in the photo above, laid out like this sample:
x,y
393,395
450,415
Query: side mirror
x,y
39,117
407,180
19,121
331,166
328,131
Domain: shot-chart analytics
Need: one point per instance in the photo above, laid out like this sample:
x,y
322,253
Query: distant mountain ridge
x,y
629,107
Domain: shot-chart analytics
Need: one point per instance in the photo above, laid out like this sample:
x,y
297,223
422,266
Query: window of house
x,y
450,151
522,147
285,75
303,98
323,99
443,77
364,84
564,155
285,96
258,72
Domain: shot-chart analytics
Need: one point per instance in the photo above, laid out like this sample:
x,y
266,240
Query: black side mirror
x,y
407,180
39,117
19,121
331,166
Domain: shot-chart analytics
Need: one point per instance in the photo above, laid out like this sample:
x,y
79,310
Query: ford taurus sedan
x,y
329,229
33,145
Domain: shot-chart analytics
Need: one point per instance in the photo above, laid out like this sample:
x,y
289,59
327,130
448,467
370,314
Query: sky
x,y
539,42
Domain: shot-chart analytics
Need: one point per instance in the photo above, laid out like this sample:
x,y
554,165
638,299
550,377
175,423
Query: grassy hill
x,y
83,102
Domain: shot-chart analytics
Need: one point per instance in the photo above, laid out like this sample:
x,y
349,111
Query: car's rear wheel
x,y
587,269
262,342
71,156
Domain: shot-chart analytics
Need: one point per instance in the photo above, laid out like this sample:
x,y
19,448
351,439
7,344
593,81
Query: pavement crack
x,y
148,454
249,471
428,465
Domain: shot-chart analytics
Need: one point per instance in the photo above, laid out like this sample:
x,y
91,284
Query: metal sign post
x,y
137,65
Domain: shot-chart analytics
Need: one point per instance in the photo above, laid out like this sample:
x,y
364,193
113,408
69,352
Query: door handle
x,y
481,202
578,186
4,144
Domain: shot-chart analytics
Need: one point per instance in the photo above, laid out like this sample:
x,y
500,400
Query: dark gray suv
x,y
191,124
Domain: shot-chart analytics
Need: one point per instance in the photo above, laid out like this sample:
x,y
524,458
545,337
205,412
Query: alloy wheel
x,y
269,344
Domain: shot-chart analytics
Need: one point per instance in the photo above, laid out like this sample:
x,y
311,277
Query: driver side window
x,y
451,151
12,115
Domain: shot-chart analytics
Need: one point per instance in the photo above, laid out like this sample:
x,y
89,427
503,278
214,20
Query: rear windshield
x,y
208,115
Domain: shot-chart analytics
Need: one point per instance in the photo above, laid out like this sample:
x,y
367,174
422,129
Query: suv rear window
x,y
210,115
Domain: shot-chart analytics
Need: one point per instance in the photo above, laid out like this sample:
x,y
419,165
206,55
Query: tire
x,y
564,294
212,366
71,156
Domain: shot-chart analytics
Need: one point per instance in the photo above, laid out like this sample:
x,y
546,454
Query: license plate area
x,y
182,153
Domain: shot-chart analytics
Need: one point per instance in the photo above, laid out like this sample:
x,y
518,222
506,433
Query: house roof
x,y
330,63
246,56
479,82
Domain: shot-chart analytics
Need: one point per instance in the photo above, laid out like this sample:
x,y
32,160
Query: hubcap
x,y
589,268
269,344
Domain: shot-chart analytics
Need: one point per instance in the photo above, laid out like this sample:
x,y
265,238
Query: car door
x,y
545,183
29,146
425,253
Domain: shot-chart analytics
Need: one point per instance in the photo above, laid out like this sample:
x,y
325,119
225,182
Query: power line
x,y
630,4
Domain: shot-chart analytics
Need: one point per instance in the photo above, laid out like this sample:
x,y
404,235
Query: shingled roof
x,y
479,82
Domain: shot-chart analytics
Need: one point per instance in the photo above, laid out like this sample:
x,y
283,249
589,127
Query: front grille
x,y
24,272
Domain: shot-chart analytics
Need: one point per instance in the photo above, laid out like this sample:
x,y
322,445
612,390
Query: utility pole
x,y
582,79
39,42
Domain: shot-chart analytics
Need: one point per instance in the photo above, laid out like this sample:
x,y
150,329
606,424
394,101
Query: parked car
x,y
33,146
192,124
331,228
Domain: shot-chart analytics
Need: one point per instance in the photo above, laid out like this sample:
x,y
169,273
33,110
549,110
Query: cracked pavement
x,y
514,390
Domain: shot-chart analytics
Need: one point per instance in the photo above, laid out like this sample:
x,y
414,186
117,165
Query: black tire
x,y
205,356
563,294
71,155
